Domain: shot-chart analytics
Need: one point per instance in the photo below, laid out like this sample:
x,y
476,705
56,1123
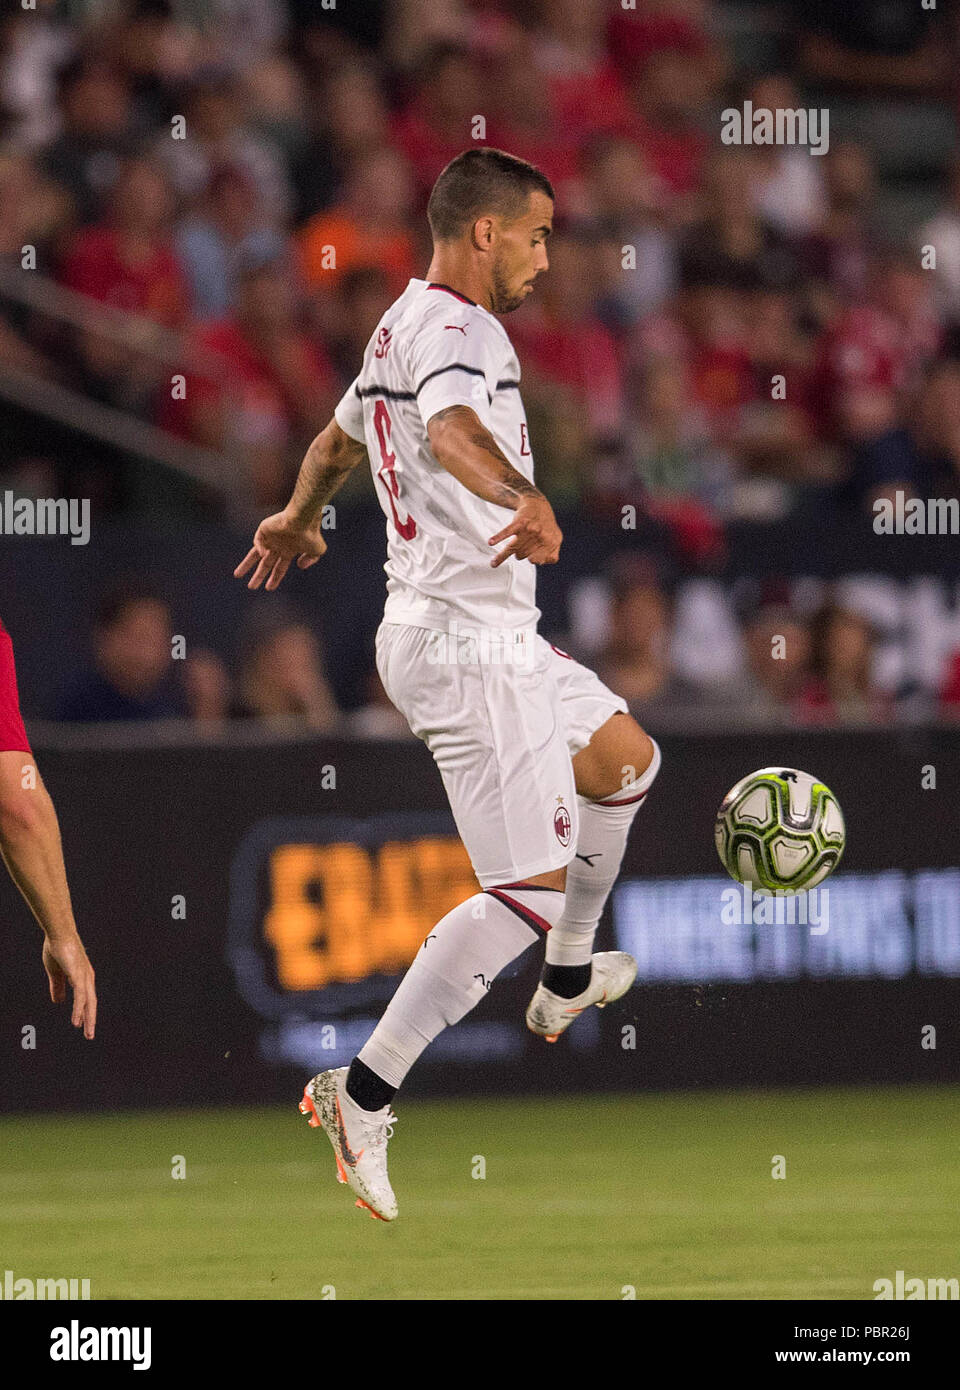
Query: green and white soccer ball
x,y
780,830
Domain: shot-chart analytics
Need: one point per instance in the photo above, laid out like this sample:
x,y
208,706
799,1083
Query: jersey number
x,y
387,470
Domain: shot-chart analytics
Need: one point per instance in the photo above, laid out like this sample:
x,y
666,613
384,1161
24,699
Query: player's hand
x,y
279,541
66,962
536,535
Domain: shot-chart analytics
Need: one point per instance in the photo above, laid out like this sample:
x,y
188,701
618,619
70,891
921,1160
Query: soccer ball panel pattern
x,y
781,830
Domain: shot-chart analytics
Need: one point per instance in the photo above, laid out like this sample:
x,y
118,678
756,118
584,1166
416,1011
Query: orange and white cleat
x,y
613,973
359,1138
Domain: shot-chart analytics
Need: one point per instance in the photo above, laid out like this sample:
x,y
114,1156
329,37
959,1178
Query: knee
x,y
644,752
621,752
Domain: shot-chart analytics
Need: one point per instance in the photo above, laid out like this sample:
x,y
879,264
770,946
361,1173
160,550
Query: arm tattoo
x,y
512,486
447,412
324,468
509,485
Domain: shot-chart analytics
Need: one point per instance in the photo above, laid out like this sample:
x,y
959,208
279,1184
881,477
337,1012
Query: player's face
x,y
521,254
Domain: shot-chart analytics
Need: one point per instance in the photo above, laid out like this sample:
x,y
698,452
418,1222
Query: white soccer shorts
x,y
503,717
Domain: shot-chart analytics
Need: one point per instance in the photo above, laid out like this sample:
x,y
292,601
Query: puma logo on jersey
x,y
460,328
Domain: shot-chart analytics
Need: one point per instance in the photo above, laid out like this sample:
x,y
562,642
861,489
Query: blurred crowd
x,y
138,670
193,162
685,653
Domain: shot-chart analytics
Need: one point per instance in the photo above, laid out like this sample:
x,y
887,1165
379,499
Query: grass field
x,y
671,1194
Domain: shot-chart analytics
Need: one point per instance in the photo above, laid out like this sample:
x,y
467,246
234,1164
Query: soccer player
x,y
543,765
30,844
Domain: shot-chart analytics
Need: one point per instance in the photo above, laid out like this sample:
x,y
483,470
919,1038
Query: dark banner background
x,y
141,826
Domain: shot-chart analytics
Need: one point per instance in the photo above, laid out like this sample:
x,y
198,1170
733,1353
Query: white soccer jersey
x,y
432,349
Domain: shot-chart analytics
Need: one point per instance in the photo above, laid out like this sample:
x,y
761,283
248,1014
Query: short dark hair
x,y
481,181
125,593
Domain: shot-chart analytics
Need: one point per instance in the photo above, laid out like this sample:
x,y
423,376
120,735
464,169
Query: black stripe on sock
x,y
567,981
369,1090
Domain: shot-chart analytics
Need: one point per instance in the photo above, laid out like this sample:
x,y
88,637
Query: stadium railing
x,y
108,424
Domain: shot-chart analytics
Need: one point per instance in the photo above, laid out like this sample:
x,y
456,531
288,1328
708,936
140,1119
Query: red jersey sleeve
x,y
13,736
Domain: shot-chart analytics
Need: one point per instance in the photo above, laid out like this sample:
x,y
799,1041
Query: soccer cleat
x,y
359,1139
612,975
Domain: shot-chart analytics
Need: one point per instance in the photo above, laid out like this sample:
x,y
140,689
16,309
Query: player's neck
x,y
451,272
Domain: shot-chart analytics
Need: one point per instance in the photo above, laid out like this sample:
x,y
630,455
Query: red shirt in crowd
x,y
581,355
96,265
261,411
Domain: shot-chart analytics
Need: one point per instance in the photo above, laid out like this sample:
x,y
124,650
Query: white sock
x,y
604,827
453,970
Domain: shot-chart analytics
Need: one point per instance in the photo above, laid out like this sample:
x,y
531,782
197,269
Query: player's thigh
x,y
608,747
585,703
495,733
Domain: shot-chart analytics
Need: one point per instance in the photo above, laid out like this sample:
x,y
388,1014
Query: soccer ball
x,y
780,830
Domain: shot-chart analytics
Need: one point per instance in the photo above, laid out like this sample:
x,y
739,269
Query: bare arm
x,y
32,851
328,462
294,533
468,451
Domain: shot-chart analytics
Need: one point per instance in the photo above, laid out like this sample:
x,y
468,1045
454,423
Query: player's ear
x,y
482,233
